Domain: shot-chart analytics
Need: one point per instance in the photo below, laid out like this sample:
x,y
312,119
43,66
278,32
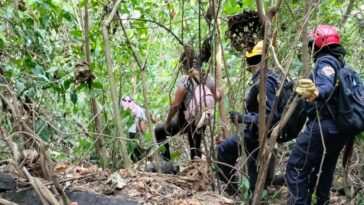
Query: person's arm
x,y
324,81
142,126
176,103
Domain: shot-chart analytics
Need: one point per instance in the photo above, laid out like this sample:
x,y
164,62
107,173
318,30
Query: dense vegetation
x,y
44,65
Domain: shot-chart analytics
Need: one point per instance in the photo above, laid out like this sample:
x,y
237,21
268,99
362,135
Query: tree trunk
x,y
219,66
101,152
266,20
119,129
347,12
145,89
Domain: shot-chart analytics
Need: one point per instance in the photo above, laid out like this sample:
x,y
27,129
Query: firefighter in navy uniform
x,y
321,128
228,150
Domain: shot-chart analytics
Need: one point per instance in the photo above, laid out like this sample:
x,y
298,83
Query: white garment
x,y
139,116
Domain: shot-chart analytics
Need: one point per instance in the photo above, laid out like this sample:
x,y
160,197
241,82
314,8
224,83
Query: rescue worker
x,y
321,129
175,122
228,150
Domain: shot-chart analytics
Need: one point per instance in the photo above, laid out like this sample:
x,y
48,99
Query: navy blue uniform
x,y
228,150
305,159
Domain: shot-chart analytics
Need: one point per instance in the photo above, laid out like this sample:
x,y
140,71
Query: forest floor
x,y
195,184
191,186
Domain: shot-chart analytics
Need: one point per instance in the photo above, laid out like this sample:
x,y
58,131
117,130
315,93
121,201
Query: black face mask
x,y
254,60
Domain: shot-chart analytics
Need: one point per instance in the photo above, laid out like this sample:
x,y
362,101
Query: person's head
x,y
254,57
325,39
127,102
195,69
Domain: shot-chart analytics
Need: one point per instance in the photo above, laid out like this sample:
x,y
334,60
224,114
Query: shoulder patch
x,y
328,71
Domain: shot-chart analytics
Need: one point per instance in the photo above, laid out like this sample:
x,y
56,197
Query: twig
x,y
281,69
159,24
324,150
36,188
6,202
45,192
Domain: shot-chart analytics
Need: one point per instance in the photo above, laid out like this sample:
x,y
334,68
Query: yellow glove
x,y
307,89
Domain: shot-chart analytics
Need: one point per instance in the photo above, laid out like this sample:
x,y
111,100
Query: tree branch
x,y
347,12
100,150
219,66
157,23
119,129
145,89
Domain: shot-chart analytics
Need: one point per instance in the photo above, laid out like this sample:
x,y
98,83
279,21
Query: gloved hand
x,y
307,89
236,117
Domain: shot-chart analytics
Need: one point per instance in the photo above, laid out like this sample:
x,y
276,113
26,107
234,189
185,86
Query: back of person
x,y
228,150
311,165
199,103
185,93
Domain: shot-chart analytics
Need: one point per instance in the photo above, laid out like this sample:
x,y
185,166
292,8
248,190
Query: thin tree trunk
x,y
145,89
101,152
266,20
347,12
119,129
268,147
219,66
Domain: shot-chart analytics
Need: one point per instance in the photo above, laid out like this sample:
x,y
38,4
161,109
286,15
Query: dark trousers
x,y
228,153
304,163
179,126
137,152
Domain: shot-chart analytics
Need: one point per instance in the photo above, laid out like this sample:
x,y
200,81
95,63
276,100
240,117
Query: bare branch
x,y
347,12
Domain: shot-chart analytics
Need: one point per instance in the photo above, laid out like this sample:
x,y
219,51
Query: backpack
x,y
298,118
201,108
350,88
351,101
350,117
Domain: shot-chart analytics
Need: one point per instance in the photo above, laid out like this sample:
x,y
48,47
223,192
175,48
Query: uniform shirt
x,y
184,82
138,116
324,76
252,101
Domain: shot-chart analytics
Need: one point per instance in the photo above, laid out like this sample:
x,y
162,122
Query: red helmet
x,y
324,35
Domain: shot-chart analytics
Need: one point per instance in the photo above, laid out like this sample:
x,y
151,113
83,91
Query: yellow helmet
x,y
257,50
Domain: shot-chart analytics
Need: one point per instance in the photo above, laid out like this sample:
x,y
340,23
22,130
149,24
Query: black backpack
x,y
350,117
351,101
350,88
296,122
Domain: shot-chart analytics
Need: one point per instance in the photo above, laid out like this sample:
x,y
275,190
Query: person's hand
x,y
166,127
307,89
236,117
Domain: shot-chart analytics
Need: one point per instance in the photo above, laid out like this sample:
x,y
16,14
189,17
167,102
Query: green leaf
x,y
74,97
76,33
75,109
31,92
83,3
20,86
41,128
81,86
176,156
97,85
66,84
